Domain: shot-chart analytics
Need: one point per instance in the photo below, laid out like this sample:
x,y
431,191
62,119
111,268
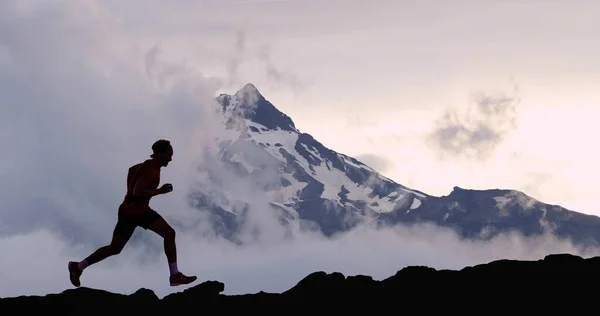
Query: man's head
x,y
162,152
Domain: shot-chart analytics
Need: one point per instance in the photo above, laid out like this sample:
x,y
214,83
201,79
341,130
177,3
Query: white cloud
x,y
82,98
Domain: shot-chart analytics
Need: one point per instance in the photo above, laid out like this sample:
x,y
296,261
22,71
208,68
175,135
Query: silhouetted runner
x,y
142,184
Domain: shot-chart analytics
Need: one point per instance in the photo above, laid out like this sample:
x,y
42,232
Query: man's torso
x,y
144,167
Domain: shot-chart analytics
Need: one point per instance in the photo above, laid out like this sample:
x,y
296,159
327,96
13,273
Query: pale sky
x,y
370,79
433,94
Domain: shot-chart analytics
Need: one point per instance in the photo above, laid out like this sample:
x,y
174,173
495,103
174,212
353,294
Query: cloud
x,y
79,107
478,130
272,268
280,77
380,164
274,75
82,99
236,59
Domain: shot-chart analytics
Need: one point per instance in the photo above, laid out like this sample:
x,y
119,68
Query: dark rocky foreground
x,y
551,284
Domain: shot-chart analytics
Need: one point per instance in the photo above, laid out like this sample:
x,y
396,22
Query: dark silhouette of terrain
x,y
506,285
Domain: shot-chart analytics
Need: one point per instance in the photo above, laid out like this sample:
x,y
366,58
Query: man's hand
x,y
165,188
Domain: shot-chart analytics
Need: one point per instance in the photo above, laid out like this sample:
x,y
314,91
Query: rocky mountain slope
x,y
313,186
554,283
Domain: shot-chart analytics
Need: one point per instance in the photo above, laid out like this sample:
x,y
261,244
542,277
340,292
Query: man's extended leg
x,y
121,235
162,228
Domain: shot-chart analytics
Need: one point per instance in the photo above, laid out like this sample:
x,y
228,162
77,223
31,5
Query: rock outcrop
x,y
509,285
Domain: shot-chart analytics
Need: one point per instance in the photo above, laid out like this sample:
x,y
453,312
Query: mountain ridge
x,y
412,286
312,185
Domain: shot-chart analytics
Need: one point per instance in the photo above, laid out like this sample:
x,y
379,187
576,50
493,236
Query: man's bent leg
x,y
121,234
117,244
162,228
158,225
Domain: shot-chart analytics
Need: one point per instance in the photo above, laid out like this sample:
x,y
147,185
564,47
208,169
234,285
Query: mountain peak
x,y
250,89
249,94
249,103
317,187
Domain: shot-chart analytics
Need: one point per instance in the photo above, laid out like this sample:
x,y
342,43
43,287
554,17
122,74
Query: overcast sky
x,y
434,94
382,74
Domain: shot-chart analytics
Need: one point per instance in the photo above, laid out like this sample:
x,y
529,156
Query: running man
x,y
142,184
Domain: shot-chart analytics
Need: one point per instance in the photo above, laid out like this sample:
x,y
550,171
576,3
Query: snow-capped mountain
x,y
311,184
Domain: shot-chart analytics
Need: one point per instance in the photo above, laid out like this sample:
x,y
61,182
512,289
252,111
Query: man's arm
x,y
142,186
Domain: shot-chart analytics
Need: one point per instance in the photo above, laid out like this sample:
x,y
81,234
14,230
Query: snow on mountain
x,y
310,183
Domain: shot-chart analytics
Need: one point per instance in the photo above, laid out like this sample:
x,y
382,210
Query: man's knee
x,y
162,228
169,233
118,242
115,249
